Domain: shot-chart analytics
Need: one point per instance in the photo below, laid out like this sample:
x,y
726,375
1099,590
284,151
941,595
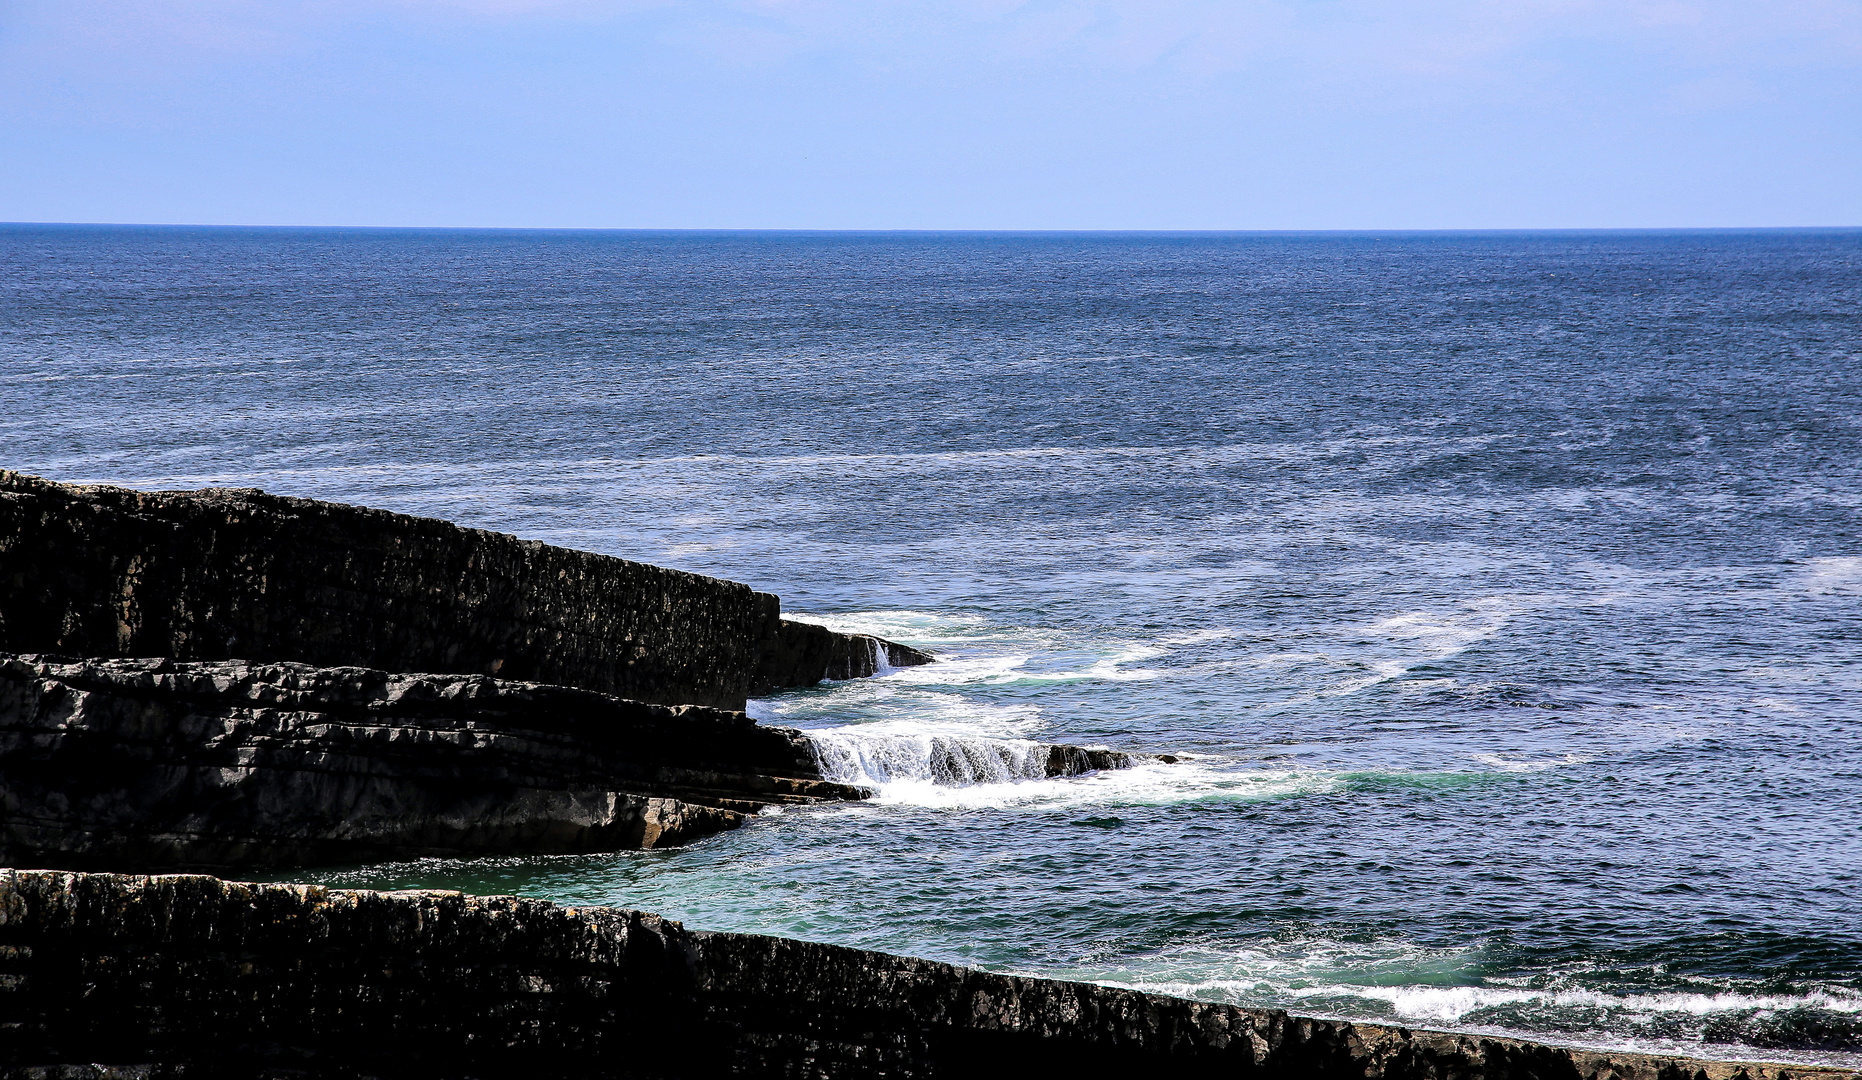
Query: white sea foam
x,y
1831,577
1104,669
1511,765
1143,785
1419,686
1375,980
1392,971
1636,1023
962,671
1341,660
901,625
1007,666
1269,963
873,707
1015,670
877,760
1199,637
1423,635
1452,1003
920,768
1375,672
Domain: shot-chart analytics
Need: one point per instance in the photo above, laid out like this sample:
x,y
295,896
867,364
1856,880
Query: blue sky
x,y
992,114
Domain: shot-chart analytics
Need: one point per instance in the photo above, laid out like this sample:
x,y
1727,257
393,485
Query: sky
x,y
963,114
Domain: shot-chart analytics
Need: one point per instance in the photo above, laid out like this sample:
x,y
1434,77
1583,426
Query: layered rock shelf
x,y
105,975
152,764
156,765
227,573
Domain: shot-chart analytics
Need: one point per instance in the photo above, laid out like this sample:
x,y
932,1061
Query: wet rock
x,y
227,573
194,976
1074,760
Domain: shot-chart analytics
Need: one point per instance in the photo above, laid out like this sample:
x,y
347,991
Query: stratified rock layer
x,y
139,765
195,976
219,765
237,573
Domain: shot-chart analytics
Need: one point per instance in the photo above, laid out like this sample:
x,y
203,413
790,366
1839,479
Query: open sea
x,y
1502,591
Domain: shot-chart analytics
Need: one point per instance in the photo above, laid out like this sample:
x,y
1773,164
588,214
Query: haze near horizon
x,y
1175,114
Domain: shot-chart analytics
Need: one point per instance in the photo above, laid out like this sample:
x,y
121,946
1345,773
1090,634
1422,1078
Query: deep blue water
x,y
1504,589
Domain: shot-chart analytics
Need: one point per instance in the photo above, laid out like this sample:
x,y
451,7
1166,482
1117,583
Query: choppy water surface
x,y
1503,591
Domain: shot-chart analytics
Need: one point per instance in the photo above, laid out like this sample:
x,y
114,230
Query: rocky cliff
x,y
194,976
151,764
237,573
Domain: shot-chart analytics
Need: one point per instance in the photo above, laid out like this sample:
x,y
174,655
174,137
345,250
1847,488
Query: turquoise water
x,y
1503,592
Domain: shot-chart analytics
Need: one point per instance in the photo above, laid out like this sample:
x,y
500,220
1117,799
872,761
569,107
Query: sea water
x,y
1501,593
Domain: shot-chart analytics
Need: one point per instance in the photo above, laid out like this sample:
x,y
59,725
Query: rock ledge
x,y
194,976
221,765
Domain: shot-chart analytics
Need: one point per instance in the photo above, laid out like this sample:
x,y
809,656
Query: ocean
x,y
1501,592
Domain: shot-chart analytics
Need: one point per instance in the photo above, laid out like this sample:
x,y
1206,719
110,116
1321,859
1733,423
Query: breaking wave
x,y
877,761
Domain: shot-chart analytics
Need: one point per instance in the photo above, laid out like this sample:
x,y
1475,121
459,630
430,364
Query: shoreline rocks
x,y
196,976
219,765
235,573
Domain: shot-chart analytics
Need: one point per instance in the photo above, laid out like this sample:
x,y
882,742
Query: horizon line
x,y
871,231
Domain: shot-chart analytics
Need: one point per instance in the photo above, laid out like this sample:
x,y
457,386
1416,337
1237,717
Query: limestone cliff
x,y
237,573
194,976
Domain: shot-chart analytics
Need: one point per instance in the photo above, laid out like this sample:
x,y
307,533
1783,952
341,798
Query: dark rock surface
x,y
1065,760
194,976
808,648
148,764
235,573
155,765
